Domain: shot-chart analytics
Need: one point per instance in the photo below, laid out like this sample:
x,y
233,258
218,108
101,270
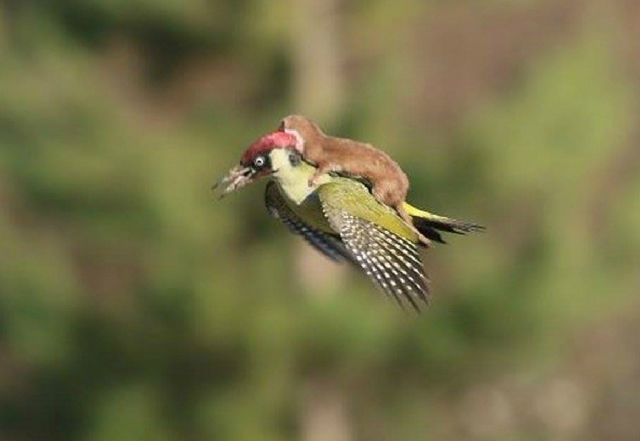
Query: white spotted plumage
x,y
392,262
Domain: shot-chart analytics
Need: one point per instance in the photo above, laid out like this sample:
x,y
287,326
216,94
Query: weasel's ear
x,y
299,139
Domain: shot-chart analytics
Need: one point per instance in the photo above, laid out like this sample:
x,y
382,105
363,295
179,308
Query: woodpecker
x,y
341,218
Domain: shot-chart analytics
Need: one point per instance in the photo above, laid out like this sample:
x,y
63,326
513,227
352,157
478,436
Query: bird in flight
x,y
336,209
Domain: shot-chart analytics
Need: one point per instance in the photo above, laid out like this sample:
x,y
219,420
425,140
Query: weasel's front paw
x,y
313,180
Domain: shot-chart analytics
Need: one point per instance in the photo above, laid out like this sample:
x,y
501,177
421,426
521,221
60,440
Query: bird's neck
x,y
294,181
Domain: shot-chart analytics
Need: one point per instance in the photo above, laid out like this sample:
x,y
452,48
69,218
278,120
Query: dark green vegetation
x,y
135,307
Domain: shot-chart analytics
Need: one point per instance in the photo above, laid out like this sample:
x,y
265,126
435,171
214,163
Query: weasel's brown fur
x,y
389,183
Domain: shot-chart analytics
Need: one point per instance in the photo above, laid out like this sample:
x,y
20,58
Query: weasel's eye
x,y
259,162
294,158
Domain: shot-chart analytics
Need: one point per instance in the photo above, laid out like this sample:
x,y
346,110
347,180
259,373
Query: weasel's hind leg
x,y
390,199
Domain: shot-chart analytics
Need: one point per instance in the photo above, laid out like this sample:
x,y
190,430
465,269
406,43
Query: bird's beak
x,y
238,177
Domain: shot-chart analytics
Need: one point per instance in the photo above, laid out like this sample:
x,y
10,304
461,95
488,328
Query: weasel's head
x,y
302,128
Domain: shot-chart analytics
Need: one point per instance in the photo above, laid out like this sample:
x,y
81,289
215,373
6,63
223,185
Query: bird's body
x,y
354,196
341,218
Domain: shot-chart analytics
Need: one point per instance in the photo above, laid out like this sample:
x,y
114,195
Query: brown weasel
x,y
389,184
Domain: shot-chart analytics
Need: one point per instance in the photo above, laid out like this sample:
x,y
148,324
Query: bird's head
x,y
263,158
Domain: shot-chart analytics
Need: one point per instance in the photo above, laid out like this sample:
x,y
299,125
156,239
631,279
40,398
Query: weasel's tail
x,y
430,225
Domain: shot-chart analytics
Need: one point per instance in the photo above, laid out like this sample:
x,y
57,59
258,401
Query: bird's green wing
x,y
278,207
379,241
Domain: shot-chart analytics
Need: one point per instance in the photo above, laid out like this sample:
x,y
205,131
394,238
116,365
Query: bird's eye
x,y
259,161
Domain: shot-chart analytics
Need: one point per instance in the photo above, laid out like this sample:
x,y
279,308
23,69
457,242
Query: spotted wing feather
x,y
390,261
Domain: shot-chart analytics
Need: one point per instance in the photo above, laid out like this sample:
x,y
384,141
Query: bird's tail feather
x,y
430,224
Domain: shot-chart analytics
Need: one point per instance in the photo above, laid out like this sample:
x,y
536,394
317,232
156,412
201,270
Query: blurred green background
x,y
133,306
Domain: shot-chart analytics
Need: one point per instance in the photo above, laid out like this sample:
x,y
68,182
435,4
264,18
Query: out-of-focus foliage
x,y
134,306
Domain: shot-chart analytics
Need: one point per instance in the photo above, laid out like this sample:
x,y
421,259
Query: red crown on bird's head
x,y
270,141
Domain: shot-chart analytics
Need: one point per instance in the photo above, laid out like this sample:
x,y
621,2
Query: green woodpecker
x,y
341,218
